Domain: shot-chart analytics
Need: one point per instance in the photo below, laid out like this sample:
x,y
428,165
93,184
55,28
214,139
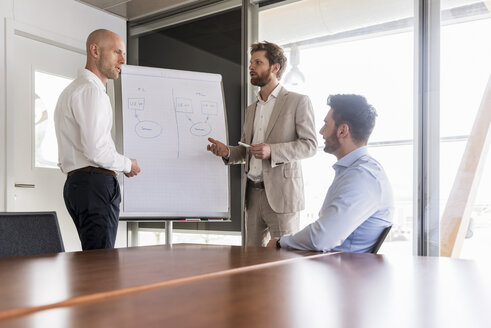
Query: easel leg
x,y
168,232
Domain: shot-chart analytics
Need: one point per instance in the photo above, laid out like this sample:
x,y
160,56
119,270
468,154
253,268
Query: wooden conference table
x,y
230,286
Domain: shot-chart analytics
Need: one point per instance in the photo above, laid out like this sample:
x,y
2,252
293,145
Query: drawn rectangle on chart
x,y
209,107
136,104
184,105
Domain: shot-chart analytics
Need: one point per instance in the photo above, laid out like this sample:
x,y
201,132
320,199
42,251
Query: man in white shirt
x,y
359,204
280,129
86,152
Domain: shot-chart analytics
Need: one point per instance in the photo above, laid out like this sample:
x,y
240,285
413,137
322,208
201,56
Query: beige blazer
x,y
292,137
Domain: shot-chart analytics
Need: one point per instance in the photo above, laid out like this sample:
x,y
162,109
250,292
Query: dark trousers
x,y
93,199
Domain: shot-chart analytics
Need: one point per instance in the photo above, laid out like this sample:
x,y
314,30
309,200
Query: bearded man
x,y
359,204
278,132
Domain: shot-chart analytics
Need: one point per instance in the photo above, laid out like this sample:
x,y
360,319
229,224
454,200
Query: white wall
x,y
66,20
5,11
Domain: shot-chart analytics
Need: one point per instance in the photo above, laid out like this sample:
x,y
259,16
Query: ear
x,y
94,50
343,131
275,68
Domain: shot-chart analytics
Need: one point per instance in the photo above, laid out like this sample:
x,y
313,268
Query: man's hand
x,y
217,148
135,169
260,151
272,242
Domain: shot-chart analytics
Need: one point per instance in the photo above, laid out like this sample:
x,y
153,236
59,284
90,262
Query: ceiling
x,y
137,9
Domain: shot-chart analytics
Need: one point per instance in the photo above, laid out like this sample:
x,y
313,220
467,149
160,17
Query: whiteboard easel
x,y
166,117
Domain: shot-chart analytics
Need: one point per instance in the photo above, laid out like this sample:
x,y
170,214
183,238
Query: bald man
x,y
86,152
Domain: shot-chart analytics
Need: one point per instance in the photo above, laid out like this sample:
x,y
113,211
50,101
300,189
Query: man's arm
x,y
218,148
95,135
357,198
306,143
230,154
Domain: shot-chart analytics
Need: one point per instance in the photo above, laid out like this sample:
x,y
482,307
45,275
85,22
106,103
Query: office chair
x,y
380,240
29,233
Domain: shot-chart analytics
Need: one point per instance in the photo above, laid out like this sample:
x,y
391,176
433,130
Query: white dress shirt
x,y
261,121
83,121
358,206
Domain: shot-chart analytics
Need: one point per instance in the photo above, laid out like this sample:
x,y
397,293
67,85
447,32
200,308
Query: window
x,y
48,88
465,72
345,48
151,236
366,47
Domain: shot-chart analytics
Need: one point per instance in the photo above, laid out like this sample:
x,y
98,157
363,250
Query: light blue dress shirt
x,y
358,206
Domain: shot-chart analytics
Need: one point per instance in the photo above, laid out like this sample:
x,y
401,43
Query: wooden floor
x,y
230,286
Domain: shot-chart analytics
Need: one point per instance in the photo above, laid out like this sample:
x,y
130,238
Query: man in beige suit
x,y
280,129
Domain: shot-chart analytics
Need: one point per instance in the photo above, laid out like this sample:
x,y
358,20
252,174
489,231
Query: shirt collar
x,y
91,77
352,157
274,94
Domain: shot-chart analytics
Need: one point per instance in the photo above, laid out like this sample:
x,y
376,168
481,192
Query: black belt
x,y
255,185
93,169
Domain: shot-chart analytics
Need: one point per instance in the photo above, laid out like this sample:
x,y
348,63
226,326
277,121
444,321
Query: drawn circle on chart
x,y
148,129
200,129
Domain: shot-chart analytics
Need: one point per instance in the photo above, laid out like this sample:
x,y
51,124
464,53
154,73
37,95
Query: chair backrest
x,y
29,233
380,240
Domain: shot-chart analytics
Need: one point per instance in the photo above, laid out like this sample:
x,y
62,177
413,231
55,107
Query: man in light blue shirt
x,y
359,202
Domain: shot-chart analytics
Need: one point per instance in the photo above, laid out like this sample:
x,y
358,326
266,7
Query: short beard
x,y
106,70
261,81
332,144
109,73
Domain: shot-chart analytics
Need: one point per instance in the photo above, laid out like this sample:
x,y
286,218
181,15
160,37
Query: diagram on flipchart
x,y
208,108
149,129
194,116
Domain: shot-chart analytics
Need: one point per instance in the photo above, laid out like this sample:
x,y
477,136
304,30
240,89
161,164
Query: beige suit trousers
x,y
262,223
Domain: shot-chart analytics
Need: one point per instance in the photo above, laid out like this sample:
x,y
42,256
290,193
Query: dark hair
x,y
274,53
354,111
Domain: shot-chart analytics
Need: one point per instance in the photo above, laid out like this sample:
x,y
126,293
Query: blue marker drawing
x,y
144,128
174,102
136,104
209,108
200,129
184,105
148,129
